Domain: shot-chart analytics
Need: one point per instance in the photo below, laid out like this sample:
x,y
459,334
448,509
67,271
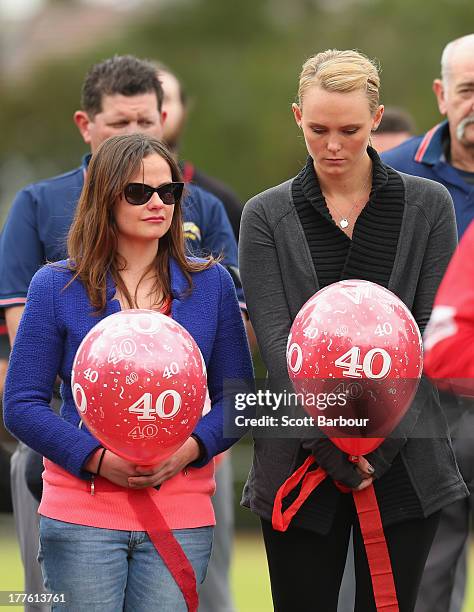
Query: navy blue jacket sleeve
x,y
216,236
21,251
34,364
230,360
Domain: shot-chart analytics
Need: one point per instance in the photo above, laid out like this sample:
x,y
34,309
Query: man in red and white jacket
x,y
449,336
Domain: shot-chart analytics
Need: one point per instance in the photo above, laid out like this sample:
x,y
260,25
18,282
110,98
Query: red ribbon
x,y
166,545
370,525
375,544
311,480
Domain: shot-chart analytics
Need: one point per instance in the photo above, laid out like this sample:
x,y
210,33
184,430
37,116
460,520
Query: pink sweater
x,y
184,500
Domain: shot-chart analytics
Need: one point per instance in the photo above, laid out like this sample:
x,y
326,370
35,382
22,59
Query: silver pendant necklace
x,y
344,219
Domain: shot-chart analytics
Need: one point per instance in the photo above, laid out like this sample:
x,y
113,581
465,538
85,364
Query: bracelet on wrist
x,y
99,465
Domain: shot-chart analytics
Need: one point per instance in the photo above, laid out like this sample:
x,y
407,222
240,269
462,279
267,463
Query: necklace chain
x,y
344,219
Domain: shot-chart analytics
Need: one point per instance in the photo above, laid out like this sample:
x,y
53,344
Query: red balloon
x,y
139,384
357,344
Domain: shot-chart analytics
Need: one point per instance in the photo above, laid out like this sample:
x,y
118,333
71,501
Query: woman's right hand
x,y
113,467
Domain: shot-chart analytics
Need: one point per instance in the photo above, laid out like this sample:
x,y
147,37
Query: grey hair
x,y
446,57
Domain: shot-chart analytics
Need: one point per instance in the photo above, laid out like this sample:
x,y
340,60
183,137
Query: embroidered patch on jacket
x,y
191,231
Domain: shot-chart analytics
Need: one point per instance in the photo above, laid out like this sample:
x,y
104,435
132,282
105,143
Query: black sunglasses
x,y
139,193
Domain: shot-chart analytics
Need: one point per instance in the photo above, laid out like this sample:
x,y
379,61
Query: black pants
x,y
306,568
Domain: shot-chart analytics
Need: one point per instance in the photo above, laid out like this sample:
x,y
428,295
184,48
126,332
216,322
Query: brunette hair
x,y
92,239
341,71
121,74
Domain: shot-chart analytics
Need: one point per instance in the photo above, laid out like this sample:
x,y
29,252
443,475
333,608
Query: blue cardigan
x,y
53,325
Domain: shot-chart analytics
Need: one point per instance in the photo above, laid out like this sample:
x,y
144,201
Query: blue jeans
x,y
109,570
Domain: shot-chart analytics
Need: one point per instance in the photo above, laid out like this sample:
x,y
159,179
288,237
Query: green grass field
x,y
249,573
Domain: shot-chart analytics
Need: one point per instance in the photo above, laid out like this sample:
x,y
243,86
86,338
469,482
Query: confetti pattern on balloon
x,y
139,384
358,341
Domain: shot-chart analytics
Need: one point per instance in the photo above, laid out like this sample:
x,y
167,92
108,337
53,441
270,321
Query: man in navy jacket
x,y
120,95
446,154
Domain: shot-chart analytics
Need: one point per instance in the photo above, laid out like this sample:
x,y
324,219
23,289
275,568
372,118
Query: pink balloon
x,y
139,384
356,343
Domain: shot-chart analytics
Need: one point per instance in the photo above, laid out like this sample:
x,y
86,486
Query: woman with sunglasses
x,y
126,249
346,215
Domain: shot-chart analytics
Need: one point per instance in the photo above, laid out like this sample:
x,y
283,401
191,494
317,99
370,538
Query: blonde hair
x,y
341,71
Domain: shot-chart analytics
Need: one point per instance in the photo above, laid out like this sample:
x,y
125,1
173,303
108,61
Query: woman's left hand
x,y
155,475
364,468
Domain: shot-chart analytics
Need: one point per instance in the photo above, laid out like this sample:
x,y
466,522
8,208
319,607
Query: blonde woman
x,y
346,215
